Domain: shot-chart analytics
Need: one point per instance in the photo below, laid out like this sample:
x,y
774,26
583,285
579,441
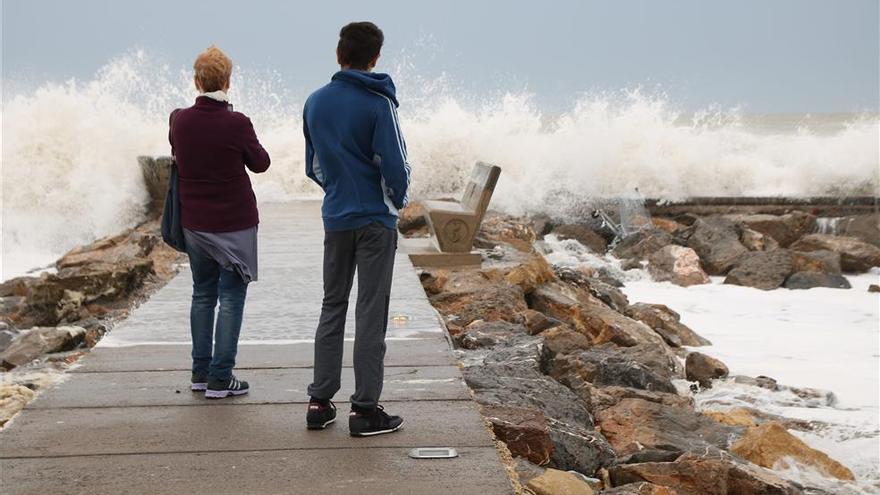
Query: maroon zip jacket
x,y
212,145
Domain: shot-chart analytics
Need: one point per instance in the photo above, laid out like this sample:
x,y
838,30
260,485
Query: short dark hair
x,y
359,44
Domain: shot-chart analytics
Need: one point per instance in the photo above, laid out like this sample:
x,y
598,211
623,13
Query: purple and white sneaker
x,y
199,383
218,389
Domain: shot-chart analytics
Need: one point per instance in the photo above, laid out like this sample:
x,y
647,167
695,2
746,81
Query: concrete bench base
x,y
423,252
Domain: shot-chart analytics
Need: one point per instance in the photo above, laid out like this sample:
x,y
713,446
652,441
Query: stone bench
x,y
453,226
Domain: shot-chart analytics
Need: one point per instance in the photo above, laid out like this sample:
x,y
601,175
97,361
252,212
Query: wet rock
x,y
816,261
524,431
555,482
16,287
677,264
632,425
765,270
471,296
13,398
513,231
667,323
156,172
487,334
411,220
113,249
758,381
531,275
608,364
433,281
738,416
53,296
810,280
526,470
579,449
642,488
642,244
756,241
716,241
709,474
537,321
772,446
595,320
862,227
6,338
874,288
856,256
510,377
35,342
584,235
784,229
666,224
609,294
703,369
608,396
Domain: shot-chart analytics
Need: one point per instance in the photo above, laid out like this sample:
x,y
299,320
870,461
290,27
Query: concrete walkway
x,y
126,422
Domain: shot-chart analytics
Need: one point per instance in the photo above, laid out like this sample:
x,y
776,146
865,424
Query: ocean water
x,y
69,173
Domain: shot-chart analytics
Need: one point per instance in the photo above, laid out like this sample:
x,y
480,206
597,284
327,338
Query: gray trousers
x,y
370,251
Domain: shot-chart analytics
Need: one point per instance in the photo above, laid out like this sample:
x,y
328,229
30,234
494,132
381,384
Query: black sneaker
x,y
218,389
364,423
199,383
321,413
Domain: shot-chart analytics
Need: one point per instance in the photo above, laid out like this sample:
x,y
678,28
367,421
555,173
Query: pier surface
x,y
125,420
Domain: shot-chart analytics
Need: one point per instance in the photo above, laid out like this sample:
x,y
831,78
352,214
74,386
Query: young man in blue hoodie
x,y
356,153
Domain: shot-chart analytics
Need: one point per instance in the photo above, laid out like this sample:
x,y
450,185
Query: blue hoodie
x,y
355,150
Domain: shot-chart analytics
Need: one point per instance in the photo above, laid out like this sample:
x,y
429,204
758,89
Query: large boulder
x,y
784,229
510,377
667,323
862,227
608,364
633,425
810,280
597,289
677,264
524,431
531,275
703,369
856,256
595,320
756,241
470,296
716,241
55,296
771,446
705,474
487,334
766,270
555,482
816,261
642,244
112,249
35,342
584,235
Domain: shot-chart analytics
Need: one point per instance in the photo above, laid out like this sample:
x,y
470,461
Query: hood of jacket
x,y
373,81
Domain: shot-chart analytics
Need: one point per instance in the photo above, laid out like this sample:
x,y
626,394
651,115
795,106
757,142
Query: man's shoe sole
x,y
220,394
199,387
320,426
377,432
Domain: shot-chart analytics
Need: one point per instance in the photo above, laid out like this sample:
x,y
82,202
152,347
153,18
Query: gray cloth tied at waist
x,y
234,251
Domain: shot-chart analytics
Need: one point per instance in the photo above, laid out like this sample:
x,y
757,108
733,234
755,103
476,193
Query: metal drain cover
x,y
433,453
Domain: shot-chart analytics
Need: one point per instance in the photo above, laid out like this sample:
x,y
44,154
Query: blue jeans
x,y
214,350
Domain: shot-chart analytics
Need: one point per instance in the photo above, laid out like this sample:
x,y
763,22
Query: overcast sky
x,y
764,55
